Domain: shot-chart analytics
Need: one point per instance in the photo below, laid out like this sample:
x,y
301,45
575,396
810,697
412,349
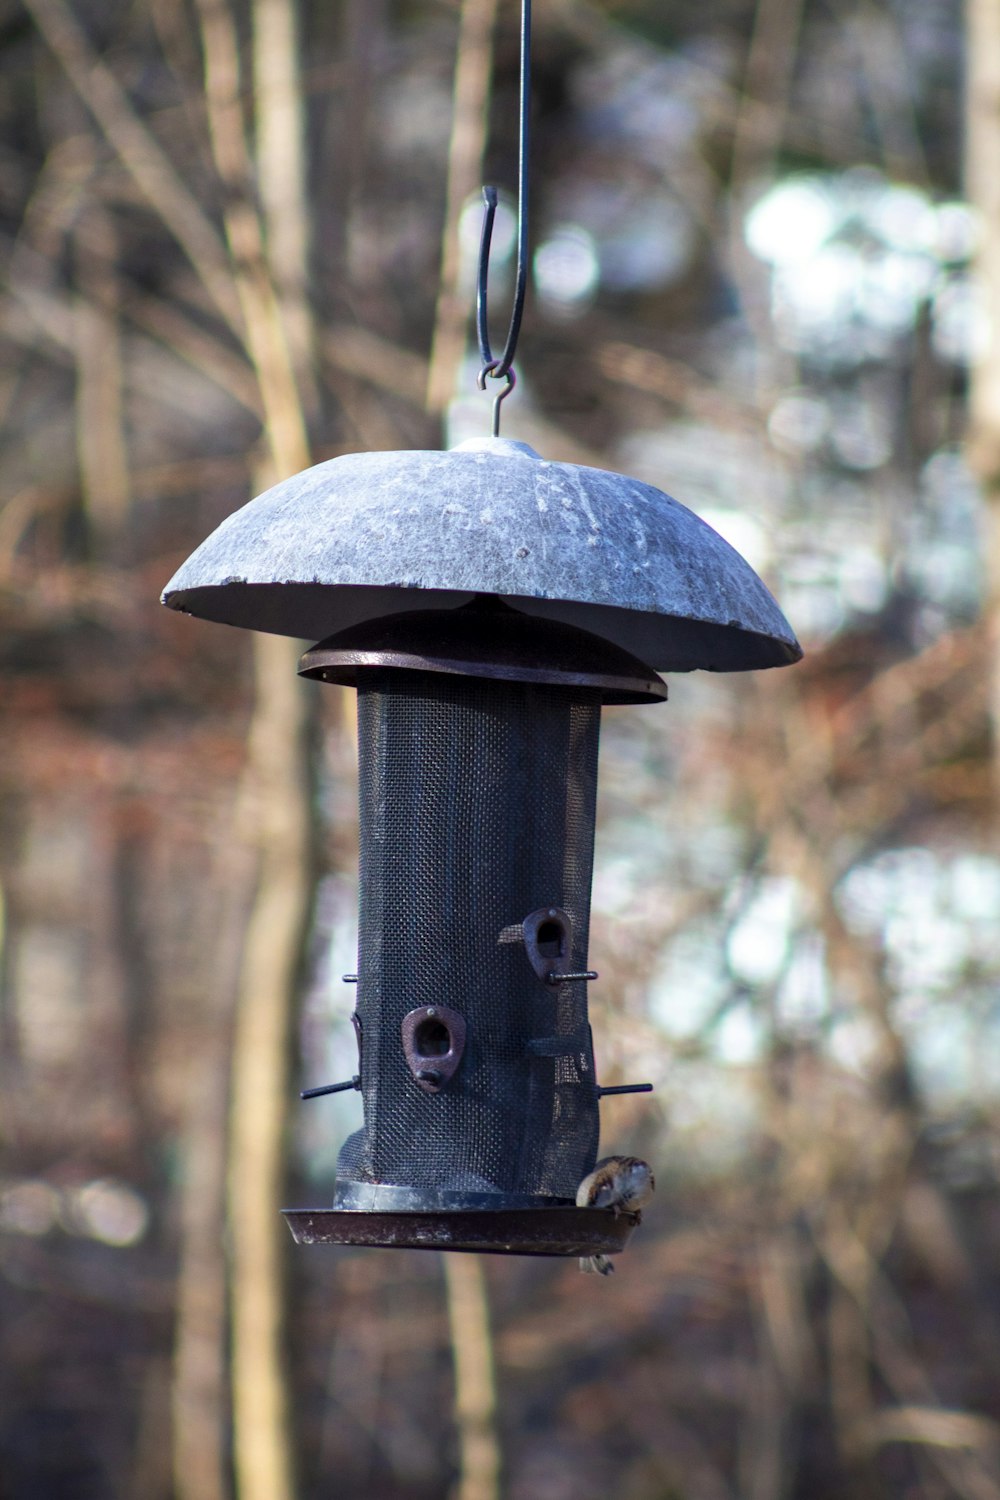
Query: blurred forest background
x,y
238,237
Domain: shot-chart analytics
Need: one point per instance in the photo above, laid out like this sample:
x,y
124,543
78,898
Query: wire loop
x,y
497,369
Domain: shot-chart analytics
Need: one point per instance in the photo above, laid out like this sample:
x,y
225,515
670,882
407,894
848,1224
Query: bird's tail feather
x,y
599,1263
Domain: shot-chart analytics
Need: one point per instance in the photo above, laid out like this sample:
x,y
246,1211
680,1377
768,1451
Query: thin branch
x,y
50,312
673,381
151,169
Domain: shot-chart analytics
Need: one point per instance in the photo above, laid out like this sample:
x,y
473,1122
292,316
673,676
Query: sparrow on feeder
x,y
622,1183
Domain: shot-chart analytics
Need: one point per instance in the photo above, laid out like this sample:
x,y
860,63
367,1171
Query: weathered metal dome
x,y
374,534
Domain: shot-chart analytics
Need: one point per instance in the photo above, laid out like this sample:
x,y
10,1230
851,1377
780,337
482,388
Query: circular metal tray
x,y
513,1231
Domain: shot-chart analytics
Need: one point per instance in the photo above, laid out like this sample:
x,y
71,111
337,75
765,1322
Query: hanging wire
x,y
498,369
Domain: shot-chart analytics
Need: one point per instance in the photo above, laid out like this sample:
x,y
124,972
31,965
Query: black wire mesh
x,y
477,808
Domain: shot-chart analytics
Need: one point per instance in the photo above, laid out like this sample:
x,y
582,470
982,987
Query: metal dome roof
x,y
372,534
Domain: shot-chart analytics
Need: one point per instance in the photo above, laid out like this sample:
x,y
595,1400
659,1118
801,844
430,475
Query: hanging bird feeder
x,y
485,604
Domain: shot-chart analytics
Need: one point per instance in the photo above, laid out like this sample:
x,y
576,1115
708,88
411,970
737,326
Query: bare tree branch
x,y
153,172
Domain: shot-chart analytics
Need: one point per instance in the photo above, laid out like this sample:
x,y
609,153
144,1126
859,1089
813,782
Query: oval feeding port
x,y
432,1038
433,1043
548,940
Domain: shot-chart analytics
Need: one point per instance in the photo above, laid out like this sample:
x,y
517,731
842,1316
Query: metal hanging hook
x,y
491,369
494,368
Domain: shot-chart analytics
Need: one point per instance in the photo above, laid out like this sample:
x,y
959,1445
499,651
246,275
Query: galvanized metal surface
x,y
373,534
524,1231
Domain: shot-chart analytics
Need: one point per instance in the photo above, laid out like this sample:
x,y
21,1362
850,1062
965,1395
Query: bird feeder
x,y
485,604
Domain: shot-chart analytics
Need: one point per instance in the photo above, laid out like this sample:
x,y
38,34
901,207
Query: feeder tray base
x,y
517,1231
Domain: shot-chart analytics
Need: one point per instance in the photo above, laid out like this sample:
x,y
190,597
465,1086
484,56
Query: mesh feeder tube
x,y
485,604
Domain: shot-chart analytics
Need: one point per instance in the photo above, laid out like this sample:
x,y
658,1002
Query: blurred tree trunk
x,y
759,130
281,172
468,1303
198,1394
470,122
475,1385
278,773
982,183
100,406
758,136
279,789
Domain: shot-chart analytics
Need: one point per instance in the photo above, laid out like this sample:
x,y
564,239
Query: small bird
x,y
622,1183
